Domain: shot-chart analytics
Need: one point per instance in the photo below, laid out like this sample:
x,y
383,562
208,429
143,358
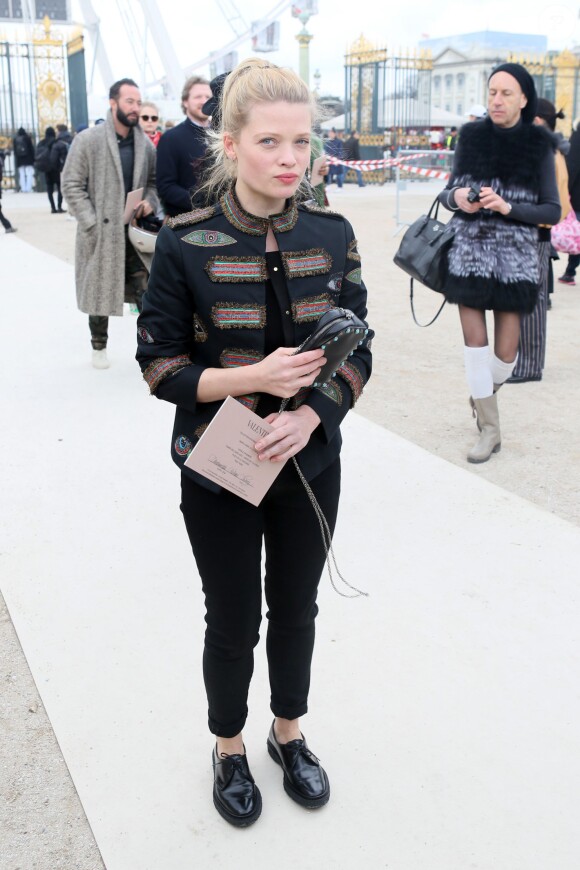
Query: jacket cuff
x,y
331,406
174,380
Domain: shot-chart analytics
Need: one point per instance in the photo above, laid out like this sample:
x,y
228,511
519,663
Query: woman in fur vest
x,y
502,186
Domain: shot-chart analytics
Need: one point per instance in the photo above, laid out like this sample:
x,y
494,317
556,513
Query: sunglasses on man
x,y
149,117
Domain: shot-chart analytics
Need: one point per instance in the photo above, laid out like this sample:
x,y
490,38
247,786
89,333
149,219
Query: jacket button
x,y
105,220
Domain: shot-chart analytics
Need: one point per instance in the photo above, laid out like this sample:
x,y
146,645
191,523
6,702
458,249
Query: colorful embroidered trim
x,y
208,239
256,226
240,219
310,308
232,357
191,217
183,445
199,329
315,261
200,430
162,368
145,335
352,253
250,401
300,397
332,392
355,276
286,220
236,270
311,205
353,377
231,315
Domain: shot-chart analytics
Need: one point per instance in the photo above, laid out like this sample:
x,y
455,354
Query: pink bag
x,y
566,234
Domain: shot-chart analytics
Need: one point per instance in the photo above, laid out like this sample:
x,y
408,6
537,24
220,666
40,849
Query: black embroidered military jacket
x,y
205,306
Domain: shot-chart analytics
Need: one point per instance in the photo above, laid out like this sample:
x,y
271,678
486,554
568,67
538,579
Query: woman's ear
x,y
229,146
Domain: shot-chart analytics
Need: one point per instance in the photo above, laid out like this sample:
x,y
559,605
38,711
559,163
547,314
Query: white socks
x,y
500,370
483,370
478,372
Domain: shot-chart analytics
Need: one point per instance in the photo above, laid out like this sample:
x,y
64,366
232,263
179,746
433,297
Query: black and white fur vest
x,y
497,257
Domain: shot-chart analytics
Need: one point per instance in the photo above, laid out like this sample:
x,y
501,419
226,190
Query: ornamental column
x,y
303,11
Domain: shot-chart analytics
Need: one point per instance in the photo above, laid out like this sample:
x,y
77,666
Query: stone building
x,y
462,64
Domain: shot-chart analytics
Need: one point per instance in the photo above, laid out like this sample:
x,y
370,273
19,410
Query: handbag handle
x,y
430,215
423,325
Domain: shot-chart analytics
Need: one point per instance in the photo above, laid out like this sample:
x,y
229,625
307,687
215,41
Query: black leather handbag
x,y
423,252
337,332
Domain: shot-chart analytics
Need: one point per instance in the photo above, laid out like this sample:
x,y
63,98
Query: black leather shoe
x,y
305,780
236,796
518,379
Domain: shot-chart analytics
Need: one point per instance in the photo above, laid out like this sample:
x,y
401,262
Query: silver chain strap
x,y
327,540
324,531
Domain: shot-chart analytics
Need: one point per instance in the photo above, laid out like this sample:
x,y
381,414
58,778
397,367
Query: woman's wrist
x,y
310,415
215,384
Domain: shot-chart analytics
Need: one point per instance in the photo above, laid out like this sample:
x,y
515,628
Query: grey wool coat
x,y
92,184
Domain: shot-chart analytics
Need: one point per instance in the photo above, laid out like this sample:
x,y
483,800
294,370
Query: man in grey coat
x,y
104,164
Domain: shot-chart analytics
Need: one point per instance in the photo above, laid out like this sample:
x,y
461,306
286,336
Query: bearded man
x,y
104,164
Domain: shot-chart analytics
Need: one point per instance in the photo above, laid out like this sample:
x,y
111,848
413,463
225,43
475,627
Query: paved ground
x,y
417,392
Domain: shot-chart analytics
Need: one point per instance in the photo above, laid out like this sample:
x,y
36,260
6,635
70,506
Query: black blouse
x,y
278,321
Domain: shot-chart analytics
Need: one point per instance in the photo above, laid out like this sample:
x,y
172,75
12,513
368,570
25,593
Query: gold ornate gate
x,y
557,78
49,68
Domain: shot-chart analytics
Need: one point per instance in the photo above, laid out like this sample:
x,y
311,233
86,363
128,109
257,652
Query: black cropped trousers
x,y
226,535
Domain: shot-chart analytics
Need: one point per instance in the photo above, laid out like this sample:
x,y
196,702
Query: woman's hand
x,y
460,197
493,201
283,374
292,431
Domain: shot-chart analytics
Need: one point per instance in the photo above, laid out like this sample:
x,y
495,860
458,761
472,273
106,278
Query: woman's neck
x,y
257,205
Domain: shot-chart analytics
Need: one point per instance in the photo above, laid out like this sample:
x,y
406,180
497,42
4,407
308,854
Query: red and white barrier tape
x,y
370,165
365,165
427,173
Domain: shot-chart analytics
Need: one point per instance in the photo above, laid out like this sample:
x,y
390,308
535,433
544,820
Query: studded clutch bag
x,y
337,332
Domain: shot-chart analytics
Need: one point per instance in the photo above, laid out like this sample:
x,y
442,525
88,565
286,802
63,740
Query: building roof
x,y
484,41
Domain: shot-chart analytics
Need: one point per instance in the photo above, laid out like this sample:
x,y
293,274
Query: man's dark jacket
x,y
180,156
59,151
352,149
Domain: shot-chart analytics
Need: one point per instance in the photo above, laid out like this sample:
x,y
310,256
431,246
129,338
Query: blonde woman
x,y
149,122
235,288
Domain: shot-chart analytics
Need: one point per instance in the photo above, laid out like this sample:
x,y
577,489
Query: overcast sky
x,y
198,28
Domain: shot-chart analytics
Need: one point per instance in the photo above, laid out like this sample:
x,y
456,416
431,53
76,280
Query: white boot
x,y
472,405
100,360
490,438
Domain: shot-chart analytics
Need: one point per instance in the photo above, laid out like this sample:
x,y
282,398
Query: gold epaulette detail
x,y
191,217
313,207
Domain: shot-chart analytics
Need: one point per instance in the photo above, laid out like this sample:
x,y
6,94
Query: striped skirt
x,y
532,352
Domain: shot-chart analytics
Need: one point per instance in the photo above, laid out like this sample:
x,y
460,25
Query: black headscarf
x,y
212,106
526,83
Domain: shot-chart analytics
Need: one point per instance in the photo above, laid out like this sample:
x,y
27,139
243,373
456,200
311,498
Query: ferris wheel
x,y
263,35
